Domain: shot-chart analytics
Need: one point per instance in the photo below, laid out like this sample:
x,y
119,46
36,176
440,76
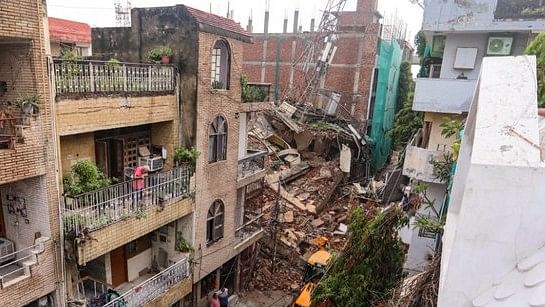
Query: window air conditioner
x,y
154,163
499,45
6,250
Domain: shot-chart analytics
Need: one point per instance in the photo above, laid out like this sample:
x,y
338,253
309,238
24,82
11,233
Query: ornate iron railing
x,y
96,209
251,164
153,287
108,77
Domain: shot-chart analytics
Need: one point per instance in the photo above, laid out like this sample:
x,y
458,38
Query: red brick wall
x,y
23,66
355,55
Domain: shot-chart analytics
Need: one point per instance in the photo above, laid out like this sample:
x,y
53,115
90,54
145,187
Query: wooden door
x,y
117,159
101,156
118,260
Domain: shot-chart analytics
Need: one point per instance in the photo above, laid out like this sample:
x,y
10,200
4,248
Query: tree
x,y
537,48
371,265
84,177
406,84
420,43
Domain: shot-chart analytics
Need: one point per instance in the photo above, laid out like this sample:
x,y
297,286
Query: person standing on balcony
x,y
224,297
214,301
138,183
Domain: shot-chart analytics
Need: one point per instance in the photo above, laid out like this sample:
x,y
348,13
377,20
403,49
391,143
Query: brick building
x,y
270,59
69,35
30,265
204,110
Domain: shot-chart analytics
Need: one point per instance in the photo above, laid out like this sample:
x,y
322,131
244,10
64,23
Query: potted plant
x,y
217,85
29,104
184,155
160,54
182,245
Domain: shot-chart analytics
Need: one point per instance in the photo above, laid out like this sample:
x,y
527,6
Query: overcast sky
x,y
100,13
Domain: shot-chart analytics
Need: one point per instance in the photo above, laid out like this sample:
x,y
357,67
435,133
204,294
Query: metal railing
x,y
90,289
107,77
251,164
96,209
153,287
11,130
13,263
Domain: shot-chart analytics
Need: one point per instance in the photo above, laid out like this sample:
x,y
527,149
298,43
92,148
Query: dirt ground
x,y
258,298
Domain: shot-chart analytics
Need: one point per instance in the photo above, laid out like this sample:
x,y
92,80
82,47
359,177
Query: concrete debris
x,y
287,217
317,223
341,230
303,196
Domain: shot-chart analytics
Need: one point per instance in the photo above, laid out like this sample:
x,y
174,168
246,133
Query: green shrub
x,y
252,93
184,154
181,244
537,48
155,54
84,177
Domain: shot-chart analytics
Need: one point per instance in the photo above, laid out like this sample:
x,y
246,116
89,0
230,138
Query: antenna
x,y
123,13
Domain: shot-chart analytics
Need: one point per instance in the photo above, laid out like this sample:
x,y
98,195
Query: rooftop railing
x,y
93,210
111,77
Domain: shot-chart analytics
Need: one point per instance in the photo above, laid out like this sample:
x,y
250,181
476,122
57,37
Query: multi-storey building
x,y
30,262
460,34
119,115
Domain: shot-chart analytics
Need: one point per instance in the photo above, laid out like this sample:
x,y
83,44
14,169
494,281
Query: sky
x,y
100,13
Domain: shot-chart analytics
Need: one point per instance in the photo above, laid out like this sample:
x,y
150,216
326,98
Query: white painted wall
x,y
421,248
242,135
138,263
479,41
496,206
23,230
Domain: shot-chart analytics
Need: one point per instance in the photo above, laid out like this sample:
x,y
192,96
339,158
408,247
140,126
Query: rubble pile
x,y
305,194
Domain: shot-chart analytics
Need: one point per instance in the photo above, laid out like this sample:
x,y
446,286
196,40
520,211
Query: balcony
x,y
443,95
250,229
418,162
17,265
104,214
251,167
95,95
256,97
174,278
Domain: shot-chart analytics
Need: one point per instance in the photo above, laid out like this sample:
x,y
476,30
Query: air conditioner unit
x,y
499,45
6,250
154,163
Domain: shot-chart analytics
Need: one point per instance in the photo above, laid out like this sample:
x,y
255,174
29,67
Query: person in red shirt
x,y
138,182
214,301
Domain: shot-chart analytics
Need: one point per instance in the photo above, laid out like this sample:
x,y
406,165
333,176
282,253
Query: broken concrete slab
x,y
317,222
303,140
288,217
303,196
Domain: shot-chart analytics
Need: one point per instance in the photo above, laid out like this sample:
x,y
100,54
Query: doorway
x,y
118,259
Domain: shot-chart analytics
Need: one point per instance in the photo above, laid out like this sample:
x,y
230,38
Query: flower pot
x,y
28,109
165,59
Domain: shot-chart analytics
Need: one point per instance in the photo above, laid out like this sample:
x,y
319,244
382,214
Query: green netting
x,y
385,102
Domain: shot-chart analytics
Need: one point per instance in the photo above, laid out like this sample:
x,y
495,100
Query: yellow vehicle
x,y
314,270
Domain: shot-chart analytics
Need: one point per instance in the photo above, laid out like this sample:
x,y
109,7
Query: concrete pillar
x,y
250,27
296,21
237,275
312,22
266,23
300,29
285,26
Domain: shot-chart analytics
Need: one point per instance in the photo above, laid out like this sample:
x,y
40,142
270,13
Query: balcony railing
x,y
443,95
108,77
257,92
418,162
252,164
96,209
11,130
16,264
153,287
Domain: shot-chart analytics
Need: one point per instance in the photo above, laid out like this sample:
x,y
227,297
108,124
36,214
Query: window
x,y
214,222
221,65
217,140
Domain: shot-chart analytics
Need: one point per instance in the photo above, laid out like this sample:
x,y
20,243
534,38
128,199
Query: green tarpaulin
x,y
389,63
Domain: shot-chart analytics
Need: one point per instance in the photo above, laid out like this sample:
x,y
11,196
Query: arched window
x,y
214,222
221,65
217,140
